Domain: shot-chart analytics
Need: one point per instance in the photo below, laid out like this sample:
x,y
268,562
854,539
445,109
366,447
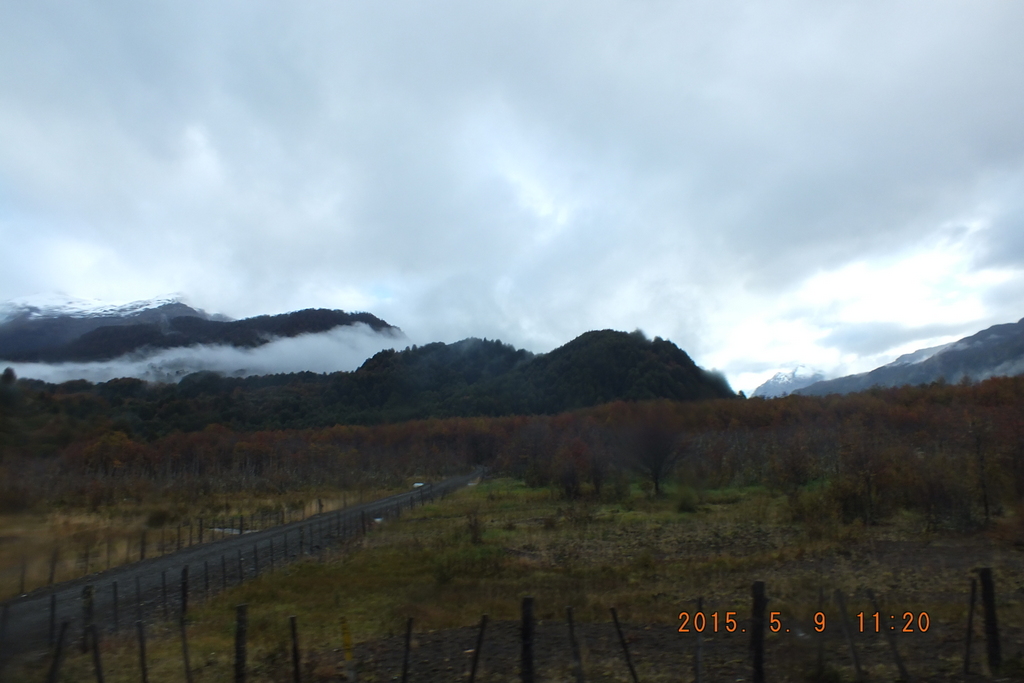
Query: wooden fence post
x,y
241,569
526,633
117,623
988,602
346,641
87,615
970,626
241,627
848,632
53,566
891,637
58,654
408,644
184,649
625,647
97,665
757,630
184,591
296,668
577,661
3,634
255,560
223,573
163,592
476,650
52,631
271,553
140,630
142,546
206,580
138,599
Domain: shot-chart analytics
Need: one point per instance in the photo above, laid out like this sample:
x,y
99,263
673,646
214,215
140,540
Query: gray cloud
x,y
869,339
522,170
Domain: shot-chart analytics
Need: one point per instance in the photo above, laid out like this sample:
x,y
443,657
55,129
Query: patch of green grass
x,y
640,556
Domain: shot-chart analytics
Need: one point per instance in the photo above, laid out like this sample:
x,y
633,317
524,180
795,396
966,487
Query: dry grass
x,y
92,541
641,555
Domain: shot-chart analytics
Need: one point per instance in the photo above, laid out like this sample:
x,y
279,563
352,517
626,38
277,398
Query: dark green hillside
x,y
469,378
600,367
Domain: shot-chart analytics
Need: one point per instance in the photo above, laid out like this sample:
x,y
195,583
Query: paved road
x,y
32,619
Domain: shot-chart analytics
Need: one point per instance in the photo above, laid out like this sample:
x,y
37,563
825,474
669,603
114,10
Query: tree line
x,y
953,453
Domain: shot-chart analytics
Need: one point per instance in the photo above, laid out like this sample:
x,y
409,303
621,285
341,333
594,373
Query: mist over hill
x,y
473,377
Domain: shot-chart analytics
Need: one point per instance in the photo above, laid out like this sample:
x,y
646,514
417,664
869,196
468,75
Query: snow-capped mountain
x,y
994,352
785,383
59,305
164,338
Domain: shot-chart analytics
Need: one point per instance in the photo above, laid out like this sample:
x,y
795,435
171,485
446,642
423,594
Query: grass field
x,y
485,548
88,541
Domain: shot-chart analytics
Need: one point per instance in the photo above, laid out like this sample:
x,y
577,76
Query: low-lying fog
x,y
343,348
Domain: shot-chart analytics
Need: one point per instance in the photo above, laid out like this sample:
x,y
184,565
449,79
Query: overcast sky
x,y
765,184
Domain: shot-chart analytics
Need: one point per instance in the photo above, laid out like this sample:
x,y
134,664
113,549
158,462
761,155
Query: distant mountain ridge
x,y
470,378
72,330
994,352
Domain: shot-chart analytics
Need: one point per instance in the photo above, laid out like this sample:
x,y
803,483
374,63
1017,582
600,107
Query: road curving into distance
x,y
151,589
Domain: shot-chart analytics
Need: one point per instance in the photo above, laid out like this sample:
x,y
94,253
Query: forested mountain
x,y
472,377
53,335
997,351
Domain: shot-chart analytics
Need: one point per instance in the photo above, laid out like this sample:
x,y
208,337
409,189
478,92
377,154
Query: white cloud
x,y
341,349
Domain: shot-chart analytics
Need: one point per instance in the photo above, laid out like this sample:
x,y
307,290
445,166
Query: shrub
x,y
688,500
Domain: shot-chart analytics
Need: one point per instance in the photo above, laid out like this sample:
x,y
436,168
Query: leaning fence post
x,y
96,663
891,637
476,651
625,648
241,626
140,630
52,632
87,615
408,644
53,566
163,592
3,634
988,601
117,624
848,632
138,599
970,626
526,632
296,669
577,662
184,591
58,654
184,649
757,630
346,641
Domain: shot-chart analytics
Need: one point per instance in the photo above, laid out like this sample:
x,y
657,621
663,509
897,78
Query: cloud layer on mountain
x,y
343,348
